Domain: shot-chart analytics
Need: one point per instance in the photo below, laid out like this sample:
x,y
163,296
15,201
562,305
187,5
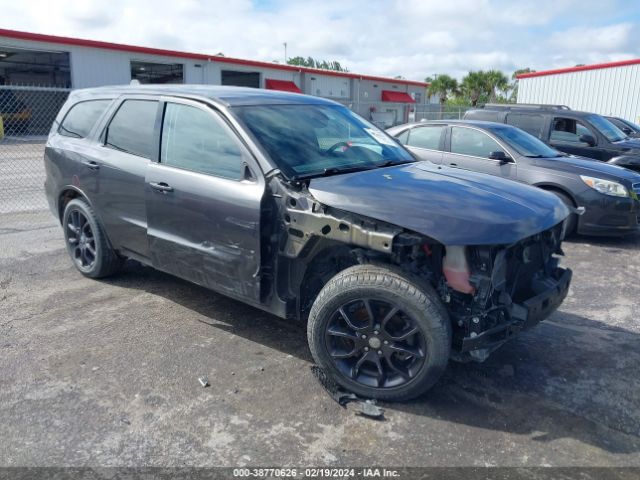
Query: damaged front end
x,y
494,292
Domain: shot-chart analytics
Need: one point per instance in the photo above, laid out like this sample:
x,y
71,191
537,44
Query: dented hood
x,y
452,206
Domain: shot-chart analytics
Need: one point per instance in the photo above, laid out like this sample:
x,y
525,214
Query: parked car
x,y
577,133
298,206
15,114
628,128
608,193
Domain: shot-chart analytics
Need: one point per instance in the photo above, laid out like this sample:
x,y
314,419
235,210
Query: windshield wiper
x,y
390,163
338,170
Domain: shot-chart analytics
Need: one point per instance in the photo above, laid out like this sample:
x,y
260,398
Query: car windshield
x,y
524,143
608,129
313,140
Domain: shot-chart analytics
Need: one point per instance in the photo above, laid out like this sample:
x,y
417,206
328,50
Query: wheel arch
x,y
68,193
552,187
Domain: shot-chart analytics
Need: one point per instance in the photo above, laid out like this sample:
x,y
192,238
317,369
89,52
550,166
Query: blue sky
x,y
412,38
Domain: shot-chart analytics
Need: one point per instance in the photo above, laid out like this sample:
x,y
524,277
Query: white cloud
x,y
413,38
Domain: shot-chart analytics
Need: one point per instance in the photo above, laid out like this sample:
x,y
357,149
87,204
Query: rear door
x,y
425,141
203,199
469,148
126,147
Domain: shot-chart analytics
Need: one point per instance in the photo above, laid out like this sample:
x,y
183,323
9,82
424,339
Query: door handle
x,y
453,164
161,187
91,164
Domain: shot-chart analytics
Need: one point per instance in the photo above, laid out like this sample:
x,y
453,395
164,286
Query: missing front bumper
x,y
522,316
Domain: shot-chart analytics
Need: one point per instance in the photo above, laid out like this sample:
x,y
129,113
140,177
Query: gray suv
x,y
298,206
608,193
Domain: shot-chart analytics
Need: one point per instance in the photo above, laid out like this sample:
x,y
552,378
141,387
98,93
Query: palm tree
x,y
473,85
443,86
496,81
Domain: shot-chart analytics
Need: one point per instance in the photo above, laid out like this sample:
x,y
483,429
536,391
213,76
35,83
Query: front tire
x,y
380,332
86,242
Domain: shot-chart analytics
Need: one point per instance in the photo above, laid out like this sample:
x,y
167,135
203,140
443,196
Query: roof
x,y
230,96
38,37
582,68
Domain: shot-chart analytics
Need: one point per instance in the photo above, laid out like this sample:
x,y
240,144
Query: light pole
x,y
285,52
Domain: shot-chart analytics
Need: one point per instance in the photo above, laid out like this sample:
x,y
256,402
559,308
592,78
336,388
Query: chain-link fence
x,y
27,114
437,112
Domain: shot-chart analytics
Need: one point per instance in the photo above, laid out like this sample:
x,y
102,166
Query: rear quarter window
x,y
485,115
81,118
532,124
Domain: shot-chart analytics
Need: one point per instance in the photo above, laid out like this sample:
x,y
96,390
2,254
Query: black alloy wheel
x,y
82,244
373,342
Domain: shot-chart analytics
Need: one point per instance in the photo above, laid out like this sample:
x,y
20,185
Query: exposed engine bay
x,y
491,292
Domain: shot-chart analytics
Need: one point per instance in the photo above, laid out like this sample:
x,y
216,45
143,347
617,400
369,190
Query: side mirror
x,y
500,156
588,139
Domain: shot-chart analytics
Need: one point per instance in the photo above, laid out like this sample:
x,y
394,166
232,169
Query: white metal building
x,y
36,59
605,88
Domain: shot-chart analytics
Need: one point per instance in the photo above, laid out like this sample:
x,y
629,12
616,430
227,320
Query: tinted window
x,y
529,123
568,130
426,137
195,140
81,117
131,129
467,141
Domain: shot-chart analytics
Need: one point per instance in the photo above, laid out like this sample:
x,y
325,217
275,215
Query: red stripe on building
x,y
79,42
582,68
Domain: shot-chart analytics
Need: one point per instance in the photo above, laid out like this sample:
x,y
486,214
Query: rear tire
x,y
368,349
572,222
86,242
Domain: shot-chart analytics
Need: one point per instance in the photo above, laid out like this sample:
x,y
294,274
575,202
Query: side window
x,y
568,130
532,124
81,118
131,128
403,137
195,140
426,137
467,141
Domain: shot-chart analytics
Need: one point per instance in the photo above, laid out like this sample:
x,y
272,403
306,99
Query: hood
x,y
631,143
588,166
452,206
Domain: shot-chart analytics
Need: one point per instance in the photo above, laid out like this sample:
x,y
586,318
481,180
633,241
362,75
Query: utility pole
x,y
285,52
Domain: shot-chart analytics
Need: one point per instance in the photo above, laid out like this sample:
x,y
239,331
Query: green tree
x,y
442,86
314,63
496,81
473,85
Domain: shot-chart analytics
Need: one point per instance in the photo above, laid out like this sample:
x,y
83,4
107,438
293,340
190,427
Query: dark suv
x,y
577,133
297,206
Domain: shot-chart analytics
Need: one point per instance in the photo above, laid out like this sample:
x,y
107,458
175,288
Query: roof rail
x,y
538,106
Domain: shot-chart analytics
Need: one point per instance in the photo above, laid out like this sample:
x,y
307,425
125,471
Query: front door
x,y
566,135
470,149
203,202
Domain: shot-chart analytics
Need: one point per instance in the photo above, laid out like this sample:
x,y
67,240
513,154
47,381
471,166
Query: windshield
x,y
312,140
608,129
524,143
